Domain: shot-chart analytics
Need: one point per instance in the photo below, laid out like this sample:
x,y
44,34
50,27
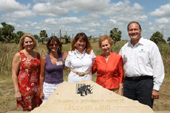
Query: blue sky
x,y
93,17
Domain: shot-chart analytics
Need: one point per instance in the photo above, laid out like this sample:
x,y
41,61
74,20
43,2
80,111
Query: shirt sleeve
x,y
94,68
93,56
158,67
121,72
68,60
120,52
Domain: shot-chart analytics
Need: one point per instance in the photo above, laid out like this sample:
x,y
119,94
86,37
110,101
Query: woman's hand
x,y
18,96
120,91
41,95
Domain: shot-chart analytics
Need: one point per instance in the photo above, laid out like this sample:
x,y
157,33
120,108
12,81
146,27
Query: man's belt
x,y
139,77
80,73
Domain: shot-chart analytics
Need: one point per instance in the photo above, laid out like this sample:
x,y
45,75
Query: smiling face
x,y
53,46
106,47
134,32
28,43
80,44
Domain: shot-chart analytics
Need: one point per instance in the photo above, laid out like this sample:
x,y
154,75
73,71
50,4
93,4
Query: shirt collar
x,y
111,53
141,42
84,51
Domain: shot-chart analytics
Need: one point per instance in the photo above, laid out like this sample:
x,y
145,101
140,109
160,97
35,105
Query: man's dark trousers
x,y
139,88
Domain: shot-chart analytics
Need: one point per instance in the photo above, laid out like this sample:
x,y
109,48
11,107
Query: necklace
x,y
79,57
107,56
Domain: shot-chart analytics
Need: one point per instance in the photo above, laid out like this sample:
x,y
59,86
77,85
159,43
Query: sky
x,y
93,17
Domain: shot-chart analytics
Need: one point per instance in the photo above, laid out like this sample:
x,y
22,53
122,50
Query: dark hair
x,y
54,38
85,38
133,22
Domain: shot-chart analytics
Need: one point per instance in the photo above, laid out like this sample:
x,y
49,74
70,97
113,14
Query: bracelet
x,y
120,87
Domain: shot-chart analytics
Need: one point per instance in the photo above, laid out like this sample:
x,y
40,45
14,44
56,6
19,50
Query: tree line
x,y
7,34
156,37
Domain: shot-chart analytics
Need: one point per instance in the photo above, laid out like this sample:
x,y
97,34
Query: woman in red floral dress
x,y
25,73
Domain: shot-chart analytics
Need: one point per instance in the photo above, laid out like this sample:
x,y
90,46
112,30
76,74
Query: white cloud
x,y
127,18
163,20
49,9
93,24
88,5
122,8
33,24
113,20
90,17
163,11
16,15
64,20
12,5
94,17
151,28
115,8
138,6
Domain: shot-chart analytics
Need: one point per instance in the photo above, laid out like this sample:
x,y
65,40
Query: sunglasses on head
x,y
53,44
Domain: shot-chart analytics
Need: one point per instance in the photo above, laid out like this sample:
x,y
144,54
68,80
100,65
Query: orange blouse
x,y
109,74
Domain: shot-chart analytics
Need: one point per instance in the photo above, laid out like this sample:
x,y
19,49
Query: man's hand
x,y
155,94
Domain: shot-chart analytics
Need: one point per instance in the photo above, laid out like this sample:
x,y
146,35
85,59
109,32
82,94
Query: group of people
x,y
35,78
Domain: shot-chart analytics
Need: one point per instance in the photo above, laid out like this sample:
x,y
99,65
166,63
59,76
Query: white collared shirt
x,y
80,63
143,59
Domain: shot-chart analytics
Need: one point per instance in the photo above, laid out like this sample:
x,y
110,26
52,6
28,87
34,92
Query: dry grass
x,y
7,51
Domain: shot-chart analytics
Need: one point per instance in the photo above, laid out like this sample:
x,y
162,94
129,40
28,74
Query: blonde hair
x,y
21,42
105,37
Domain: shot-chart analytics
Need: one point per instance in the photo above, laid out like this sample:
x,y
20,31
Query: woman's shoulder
x,y
18,54
116,55
64,55
71,52
100,56
43,58
37,54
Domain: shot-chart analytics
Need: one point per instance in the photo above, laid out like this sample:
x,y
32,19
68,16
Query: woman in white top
x,y
80,59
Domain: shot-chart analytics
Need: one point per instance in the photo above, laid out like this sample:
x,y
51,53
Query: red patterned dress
x,y
28,80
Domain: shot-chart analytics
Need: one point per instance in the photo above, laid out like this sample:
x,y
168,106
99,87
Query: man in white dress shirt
x,y
143,66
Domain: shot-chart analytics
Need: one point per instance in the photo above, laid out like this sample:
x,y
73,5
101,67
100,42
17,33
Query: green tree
x,y
43,35
19,35
157,37
168,40
7,31
1,36
36,37
14,35
90,37
67,39
115,34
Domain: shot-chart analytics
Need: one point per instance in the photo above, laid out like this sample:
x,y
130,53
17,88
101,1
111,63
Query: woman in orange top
x,y
109,67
